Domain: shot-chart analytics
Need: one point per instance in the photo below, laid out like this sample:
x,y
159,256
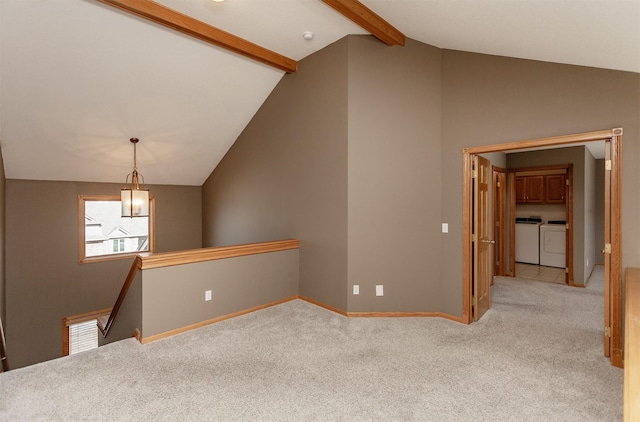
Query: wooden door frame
x,y
499,210
615,138
615,233
569,278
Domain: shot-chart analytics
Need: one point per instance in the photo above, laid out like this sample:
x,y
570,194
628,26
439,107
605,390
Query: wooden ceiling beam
x,y
180,22
369,20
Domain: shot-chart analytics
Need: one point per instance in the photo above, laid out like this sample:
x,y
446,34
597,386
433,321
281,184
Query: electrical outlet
x,y
356,289
379,290
207,295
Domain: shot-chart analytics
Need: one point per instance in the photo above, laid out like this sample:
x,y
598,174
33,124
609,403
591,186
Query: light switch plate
x,y
207,295
356,289
379,290
445,227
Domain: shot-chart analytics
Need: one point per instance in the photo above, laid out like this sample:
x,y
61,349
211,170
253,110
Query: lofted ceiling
x,y
78,78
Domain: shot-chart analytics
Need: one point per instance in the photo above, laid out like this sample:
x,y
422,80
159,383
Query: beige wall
x,y
3,315
490,100
394,222
129,316
45,283
286,176
173,297
165,299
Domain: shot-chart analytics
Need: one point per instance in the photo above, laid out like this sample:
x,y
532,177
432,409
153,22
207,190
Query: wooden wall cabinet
x,y
549,189
555,188
530,189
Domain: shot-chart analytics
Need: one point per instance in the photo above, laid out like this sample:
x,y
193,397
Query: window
x,y
104,234
83,336
118,245
80,332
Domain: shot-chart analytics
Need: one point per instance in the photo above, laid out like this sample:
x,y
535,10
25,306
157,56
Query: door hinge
x,y
567,226
607,164
566,270
607,248
497,224
474,237
566,181
498,184
607,331
474,301
475,173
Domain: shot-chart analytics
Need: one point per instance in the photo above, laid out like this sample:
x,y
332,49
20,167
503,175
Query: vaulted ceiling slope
x,y
78,78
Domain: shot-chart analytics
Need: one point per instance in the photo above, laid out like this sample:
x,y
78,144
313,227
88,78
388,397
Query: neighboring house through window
x,y
104,234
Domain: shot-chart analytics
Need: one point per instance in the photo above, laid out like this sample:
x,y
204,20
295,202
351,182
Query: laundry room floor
x,y
540,273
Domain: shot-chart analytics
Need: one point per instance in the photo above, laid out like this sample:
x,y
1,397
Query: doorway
x,y
546,174
499,221
613,244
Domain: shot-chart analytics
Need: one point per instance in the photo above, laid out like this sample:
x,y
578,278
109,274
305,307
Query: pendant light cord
x,y
135,168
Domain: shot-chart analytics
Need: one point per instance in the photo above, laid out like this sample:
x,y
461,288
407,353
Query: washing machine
x,y
527,240
553,244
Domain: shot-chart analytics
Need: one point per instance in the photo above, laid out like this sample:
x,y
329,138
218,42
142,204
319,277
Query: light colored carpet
x,y
535,356
596,280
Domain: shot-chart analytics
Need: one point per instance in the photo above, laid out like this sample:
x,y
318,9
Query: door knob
x,y
489,241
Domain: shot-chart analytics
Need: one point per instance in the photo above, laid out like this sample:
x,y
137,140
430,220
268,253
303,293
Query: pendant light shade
x,y
134,200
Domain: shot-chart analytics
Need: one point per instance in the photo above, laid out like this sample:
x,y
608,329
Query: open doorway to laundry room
x,y
541,222
612,226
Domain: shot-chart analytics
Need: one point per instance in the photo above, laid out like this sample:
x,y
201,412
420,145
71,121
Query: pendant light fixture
x,y
134,200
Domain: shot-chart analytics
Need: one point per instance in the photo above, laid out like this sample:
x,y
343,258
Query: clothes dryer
x,y
553,245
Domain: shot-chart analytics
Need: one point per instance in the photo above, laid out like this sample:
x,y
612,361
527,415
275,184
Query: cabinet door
x,y
535,189
555,189
521,189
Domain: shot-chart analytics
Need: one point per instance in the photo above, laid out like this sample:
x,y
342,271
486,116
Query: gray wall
x,y
393,177
323,128
575,156
286,176
129,316
3,296
348,145
498,159
491,100
45,283
173,297
599,243
164,299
